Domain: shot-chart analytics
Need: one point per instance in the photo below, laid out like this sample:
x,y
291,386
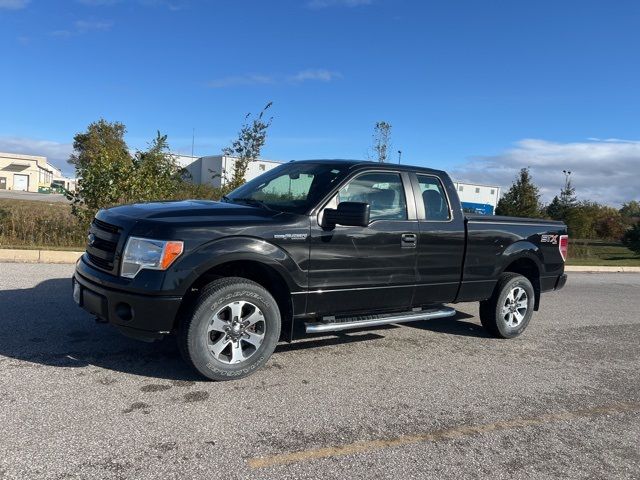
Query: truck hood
x,y
190,211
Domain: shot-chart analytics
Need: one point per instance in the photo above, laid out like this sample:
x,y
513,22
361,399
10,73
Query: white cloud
x,y
13,4
81,27
318,4
606,171
309,75
57,153
321,75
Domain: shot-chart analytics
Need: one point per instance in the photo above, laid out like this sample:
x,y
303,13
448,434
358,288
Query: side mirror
x,y
355,214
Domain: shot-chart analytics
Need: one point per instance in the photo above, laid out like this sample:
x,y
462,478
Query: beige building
x,y
29,172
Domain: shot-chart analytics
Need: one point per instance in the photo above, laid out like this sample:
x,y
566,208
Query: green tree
x,y
156,174
382,141
109,175
610,225
581,221
561,206
246,148
632,238
588,220
554,210
522,199
103,166
630,209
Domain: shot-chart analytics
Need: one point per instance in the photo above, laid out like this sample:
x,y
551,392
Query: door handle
x,y
409,240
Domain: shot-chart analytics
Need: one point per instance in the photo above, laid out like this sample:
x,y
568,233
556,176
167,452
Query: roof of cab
x,y
368,163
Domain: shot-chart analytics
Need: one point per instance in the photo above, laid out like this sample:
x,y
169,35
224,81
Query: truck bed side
x,y
496,244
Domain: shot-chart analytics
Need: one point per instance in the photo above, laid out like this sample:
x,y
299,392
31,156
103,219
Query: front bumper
x,y
144,317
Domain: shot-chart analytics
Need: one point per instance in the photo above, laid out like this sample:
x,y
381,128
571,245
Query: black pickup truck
x,y
319,246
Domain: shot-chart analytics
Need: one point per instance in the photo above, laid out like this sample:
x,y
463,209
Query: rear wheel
x,y
508,312
232,331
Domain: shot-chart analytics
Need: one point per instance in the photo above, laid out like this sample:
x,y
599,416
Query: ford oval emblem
x,y
91,239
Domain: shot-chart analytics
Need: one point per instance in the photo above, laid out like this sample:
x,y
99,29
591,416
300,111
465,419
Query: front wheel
x,y
508,312
232,330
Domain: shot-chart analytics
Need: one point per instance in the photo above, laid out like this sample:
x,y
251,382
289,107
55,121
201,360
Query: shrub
x,y
610,226
197,191
631,238
37,224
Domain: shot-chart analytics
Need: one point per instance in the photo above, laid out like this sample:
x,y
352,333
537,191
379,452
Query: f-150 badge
x,y
290,236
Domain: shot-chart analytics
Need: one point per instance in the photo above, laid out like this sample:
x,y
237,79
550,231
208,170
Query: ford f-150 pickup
x,y
310,247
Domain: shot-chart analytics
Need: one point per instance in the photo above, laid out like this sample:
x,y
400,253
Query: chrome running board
x,y
349,323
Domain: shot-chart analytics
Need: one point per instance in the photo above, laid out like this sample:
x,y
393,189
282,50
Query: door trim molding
x,y
332,290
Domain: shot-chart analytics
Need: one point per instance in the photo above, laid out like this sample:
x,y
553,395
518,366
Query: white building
x,y
217,170
478,198
184,160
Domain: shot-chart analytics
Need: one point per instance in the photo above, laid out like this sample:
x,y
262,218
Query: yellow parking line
x,y
436,435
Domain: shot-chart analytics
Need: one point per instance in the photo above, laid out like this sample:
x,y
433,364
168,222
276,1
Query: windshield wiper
x,y
226,199
253,202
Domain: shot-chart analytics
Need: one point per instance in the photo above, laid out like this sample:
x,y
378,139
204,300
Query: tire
x,y
502,315
232,330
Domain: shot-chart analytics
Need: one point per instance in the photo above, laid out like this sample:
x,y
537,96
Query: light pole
x,y
399,156
567,173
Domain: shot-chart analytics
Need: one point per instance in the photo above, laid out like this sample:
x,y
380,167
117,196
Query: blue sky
x,y
478,88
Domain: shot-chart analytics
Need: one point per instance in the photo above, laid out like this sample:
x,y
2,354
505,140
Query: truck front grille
x,y
102,246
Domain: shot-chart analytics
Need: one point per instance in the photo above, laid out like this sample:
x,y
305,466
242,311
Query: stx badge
x,y
550,239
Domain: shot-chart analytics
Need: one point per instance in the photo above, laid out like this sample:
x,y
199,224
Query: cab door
x,y
364,269
441,241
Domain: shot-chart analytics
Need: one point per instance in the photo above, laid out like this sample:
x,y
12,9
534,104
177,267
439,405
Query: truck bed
x,y
492,242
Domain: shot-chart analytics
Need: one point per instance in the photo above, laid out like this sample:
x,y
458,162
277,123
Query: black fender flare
x,y
519,250
236,248
524,249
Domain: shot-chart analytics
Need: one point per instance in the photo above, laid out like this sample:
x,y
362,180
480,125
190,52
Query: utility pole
x,y
567,173
399,156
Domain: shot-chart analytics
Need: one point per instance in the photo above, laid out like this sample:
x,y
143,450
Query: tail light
x,y
563,245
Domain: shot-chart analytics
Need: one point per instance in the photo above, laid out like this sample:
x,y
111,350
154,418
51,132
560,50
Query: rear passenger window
x,y
382,191
435,201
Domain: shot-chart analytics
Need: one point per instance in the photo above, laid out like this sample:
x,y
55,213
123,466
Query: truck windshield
x,y
292,187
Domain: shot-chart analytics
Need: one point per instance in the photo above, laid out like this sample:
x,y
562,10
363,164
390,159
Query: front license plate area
x,y
94,303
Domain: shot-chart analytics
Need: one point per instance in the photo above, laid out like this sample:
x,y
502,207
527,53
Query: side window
x,y
286,187
435,201
382,191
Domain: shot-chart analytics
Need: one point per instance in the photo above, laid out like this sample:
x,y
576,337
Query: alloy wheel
x,y
515,307
236,331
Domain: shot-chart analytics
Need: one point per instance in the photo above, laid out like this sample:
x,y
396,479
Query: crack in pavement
x,y
436,435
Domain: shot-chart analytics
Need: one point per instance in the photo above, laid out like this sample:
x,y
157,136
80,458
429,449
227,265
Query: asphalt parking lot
x,y
434,399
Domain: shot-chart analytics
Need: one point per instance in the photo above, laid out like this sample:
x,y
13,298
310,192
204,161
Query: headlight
x,y
147,253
